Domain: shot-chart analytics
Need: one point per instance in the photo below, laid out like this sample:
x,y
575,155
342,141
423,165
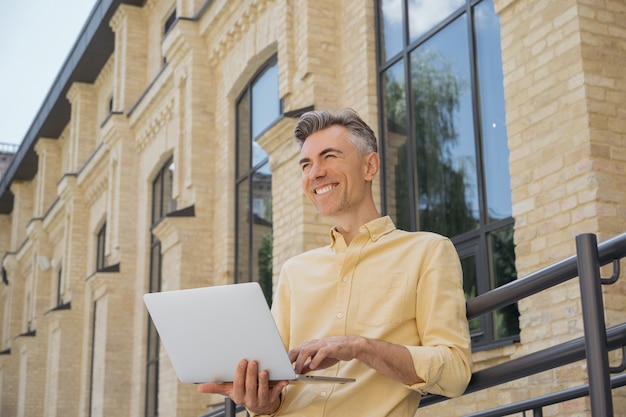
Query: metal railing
x,y
594,345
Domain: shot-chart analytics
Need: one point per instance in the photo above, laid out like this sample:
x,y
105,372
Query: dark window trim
x,y
29,333
164,208
247,175
61,307
170,22
59,287
189,211
478,236
101,248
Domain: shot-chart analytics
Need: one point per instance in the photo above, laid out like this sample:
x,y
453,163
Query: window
x,y
167,25
257,108
60,289
162,203
30,304
100,248
98,357
169,22
444,139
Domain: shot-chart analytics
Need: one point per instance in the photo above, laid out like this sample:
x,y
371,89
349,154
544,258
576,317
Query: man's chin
x,y
326,211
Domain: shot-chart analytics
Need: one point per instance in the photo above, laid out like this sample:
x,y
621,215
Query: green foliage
x,y
265,265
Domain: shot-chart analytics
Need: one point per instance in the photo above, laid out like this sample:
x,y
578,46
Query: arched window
x,y
162,204
257,108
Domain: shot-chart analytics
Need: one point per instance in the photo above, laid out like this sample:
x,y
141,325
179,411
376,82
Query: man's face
x,y
334,177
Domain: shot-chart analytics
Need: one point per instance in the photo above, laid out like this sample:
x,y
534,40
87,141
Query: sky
x,y
36,37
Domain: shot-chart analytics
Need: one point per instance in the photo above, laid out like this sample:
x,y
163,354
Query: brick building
x,y
163,158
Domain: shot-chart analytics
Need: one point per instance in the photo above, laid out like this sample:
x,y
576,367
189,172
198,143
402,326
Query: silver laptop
x,y
207,331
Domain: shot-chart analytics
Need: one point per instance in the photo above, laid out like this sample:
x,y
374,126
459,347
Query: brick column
x,y
130,56
565,93
82,136
49,173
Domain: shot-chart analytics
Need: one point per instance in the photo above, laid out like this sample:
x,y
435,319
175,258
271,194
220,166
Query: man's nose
x,y
317,171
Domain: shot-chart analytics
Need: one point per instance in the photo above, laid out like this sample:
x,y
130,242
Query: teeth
x,y
324,189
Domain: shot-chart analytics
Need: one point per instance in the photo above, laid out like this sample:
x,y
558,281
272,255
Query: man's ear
x,y
372,164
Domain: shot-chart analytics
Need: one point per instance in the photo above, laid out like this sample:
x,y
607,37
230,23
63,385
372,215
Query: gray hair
x,y
361,134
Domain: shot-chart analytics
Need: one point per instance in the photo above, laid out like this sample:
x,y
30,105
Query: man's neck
x,y
350,224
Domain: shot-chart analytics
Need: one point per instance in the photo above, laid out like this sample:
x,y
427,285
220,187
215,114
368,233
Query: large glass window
x,y
162,204
444,139
257,108
100,248
59,288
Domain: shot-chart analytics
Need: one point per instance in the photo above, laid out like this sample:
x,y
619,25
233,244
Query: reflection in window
x,y
493,123
391,25
257,109
424,15
502,271
470,287
444,139
444,133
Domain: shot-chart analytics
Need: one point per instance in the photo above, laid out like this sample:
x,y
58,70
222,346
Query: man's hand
x,y
323,353
250,388
389,359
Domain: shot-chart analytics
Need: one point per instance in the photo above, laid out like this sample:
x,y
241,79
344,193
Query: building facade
x,y
164,159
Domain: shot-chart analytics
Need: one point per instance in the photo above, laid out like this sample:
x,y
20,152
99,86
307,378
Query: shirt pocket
x,y
382,299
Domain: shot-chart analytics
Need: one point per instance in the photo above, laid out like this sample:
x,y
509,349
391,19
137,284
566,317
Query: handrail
x,y
546,400
557,273
543,360
593,346
223,411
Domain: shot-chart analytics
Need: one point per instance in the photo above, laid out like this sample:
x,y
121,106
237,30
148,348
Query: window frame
x,y
473,242
101,248
161,203
244,176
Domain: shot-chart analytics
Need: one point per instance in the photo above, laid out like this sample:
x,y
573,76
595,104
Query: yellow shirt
x,y
404,288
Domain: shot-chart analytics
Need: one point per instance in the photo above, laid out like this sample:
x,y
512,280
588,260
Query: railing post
x,y
594,326
230,408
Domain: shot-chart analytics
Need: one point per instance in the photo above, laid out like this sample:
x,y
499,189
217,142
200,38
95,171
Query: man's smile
x,y
324,189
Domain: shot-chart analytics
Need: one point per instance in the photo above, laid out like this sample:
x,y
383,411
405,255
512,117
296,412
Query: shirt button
x,y
339,315
345,279
323,393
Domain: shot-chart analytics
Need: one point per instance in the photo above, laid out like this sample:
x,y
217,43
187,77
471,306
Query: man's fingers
x,y
239,384
212,388
250,388
252,375
306,354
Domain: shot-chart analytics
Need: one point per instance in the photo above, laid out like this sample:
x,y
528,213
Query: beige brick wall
x,y
562,90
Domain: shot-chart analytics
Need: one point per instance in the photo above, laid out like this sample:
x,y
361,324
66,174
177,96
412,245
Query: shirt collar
x,y
375,229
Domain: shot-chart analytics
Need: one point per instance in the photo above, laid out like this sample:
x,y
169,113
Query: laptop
x,y
207,331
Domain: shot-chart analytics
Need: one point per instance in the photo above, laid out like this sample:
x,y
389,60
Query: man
x,y
378,304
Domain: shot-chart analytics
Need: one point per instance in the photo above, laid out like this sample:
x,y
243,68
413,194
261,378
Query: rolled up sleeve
x,y
444,359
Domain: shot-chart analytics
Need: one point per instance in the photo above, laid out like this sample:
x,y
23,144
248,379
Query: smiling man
x,y
378,304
